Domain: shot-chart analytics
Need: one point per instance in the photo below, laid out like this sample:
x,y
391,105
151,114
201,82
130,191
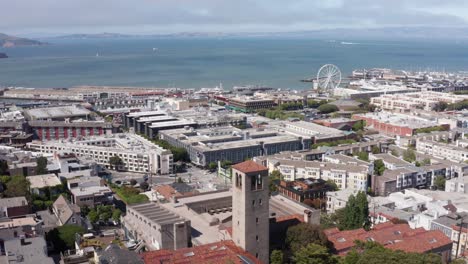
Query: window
x,y
256,238
256,220
253,202
238,181
256,182
260,201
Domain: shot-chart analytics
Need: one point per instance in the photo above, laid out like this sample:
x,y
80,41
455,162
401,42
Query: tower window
x,y
256,182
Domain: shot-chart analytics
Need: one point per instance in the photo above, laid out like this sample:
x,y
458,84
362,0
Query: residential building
x,y
156,228
394,237
317,132
39,183
136,153
304,189
57,113
442,150
250,209
66,213
345,124
26,250
91,196
14,207
338,199
459,185
411,101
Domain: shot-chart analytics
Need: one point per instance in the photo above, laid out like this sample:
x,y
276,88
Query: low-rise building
x,y
66,213
250,104
410,101
396,124
14,207
156,228
304,189
442,150
39,183
137,153
26,250
57,113
459,185
394,237
55,130
345,124
338,199
91,196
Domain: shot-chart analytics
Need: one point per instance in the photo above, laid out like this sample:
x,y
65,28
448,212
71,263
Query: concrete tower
x,y
250,209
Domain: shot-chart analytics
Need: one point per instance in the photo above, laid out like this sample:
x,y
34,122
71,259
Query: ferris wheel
x,y
328,77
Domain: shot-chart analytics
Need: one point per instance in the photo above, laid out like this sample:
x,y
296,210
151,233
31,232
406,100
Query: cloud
x,y
218,15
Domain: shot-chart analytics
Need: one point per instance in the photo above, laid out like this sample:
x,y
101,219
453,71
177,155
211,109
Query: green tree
x,y
93,216
314,254
273,178
395,153
116,213
180,180
333,184
212,166
41,167
379,167
375,150
356,213
409,155
328,108
439,182
359,125
374,253
363,156
302,234
63,237
276,257
440,106
17,186
116,162
144,186
426,162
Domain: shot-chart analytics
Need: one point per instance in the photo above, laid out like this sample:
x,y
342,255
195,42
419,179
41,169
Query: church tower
x,y
250,209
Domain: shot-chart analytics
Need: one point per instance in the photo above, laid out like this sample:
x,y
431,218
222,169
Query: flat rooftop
x,y
156,213
42,181
56,112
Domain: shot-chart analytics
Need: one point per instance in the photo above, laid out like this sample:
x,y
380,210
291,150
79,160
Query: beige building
x,y
250,209
154,227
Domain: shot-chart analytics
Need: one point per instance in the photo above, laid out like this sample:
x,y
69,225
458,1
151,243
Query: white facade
x,y
137,153
459,185
442,150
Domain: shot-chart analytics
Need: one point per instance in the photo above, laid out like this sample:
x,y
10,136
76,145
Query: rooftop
x,y
219,252
13,202
249,166
156,213
56,112
42,181
33,251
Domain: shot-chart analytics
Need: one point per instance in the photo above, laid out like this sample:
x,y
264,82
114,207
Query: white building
x,y
459,185
338,200
442,150
136,153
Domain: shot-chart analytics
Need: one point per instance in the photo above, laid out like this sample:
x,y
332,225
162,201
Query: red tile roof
x,y
214,253
392,236
249,166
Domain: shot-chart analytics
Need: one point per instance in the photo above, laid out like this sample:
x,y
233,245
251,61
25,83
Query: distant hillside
x,y
7,41
95,36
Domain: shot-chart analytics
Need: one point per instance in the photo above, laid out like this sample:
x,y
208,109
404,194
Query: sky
x,y
170,16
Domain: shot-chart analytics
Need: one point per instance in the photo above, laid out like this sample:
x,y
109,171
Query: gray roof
x,y
64,209
34,251
13,202
156,213
113,254
56,112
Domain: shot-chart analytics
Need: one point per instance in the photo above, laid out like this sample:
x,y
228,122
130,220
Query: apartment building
x,y
136,153
459,185
441,150
409,101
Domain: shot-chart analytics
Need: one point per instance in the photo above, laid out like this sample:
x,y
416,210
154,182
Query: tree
x,y
439,182
363,156
41,167
409,155
375,150
116,213
212,166
333,185
274,177
395,153
314,254
374,253
356,213
180,180
379,167
276,257
63,237
180,154
440,106
302,234
116,162
426,161
17,186
93,216
328,108
359,125
133,182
